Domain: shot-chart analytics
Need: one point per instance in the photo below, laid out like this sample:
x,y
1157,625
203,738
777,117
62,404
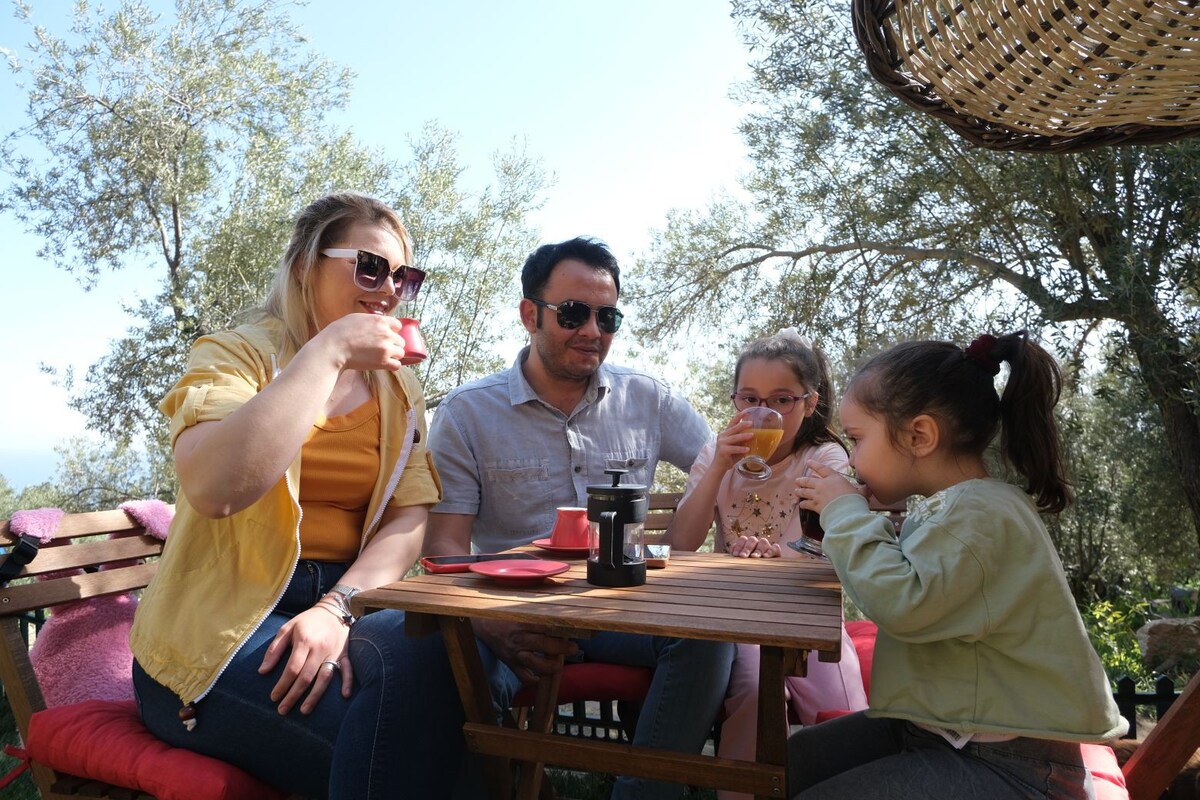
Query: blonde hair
x,y
318,226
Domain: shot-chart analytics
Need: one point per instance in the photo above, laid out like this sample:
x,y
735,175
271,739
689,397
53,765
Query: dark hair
x,y
541,262
811,369
956,386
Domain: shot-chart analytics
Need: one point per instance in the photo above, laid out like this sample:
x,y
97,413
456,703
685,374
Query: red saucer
x,y
521,572
553,548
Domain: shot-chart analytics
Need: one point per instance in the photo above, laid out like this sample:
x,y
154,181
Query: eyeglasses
x,y
371,271
783,403
573,314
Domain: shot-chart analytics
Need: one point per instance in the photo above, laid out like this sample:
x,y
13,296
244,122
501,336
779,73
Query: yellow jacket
x,y
218,579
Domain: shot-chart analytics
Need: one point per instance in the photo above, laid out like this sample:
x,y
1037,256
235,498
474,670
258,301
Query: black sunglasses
x,y
573,314
371,271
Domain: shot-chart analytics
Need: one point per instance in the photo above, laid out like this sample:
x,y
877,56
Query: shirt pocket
x,y
519,484
518,497
517,470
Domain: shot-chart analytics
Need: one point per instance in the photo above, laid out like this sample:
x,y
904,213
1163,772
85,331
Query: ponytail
x,y
1030,440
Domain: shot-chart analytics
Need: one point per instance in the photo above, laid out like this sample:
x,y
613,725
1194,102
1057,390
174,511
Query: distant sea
x,y
23,468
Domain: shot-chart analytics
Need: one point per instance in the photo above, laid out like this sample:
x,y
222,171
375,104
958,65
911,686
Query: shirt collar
x,y
520,391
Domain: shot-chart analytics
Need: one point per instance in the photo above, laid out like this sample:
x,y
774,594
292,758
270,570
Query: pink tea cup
x,y
414,342
570,528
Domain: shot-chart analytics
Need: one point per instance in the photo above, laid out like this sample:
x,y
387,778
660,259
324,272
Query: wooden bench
x,y
94,555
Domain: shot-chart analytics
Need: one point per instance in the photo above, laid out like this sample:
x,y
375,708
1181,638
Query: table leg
x,y
475,695
775,664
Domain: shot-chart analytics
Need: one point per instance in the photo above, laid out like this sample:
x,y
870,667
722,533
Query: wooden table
x,y
786,606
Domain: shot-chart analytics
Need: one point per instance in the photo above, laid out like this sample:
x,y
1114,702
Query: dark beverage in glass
x,y
812,534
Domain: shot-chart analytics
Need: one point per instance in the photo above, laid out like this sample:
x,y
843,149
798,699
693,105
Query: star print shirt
x,y
764,508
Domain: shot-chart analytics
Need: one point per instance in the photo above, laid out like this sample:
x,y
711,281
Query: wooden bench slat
x,y
87,523
94,553
19,598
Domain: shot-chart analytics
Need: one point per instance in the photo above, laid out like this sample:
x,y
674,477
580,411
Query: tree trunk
x,y
1172,384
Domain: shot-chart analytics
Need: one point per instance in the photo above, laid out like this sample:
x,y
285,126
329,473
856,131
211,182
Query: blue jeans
x,y
690,678
854,756
399,733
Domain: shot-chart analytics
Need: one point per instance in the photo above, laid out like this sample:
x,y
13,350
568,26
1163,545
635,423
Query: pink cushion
x,y
593,681
1106,774
106,741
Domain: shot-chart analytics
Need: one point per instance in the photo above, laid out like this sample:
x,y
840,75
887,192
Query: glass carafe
x,y
616,522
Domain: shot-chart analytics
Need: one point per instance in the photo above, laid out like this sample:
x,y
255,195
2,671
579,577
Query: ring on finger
x,y
330,665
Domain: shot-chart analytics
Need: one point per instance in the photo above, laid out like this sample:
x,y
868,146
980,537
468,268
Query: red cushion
x,y
862,633
106,741
1106,774
594,681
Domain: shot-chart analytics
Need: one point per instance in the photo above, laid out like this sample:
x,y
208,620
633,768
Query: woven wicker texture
x,y
1041,75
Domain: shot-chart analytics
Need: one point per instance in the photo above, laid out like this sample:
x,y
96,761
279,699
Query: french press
x,y
616,521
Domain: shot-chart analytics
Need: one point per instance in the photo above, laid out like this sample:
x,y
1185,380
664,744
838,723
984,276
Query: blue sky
x,y
626,102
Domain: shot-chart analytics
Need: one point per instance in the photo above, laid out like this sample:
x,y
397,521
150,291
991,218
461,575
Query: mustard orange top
x,y
333,494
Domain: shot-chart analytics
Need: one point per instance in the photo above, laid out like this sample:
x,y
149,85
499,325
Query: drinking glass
x,y
766,431
812,535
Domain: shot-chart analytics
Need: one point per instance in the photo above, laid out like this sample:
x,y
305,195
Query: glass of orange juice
x,y
766,430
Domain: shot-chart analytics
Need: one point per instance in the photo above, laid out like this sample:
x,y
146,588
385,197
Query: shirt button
x,y
578,469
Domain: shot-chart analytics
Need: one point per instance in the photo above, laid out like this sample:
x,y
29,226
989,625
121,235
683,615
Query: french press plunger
x,y
616,520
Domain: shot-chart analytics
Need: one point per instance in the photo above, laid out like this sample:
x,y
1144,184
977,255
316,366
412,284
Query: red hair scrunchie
x,y
980,351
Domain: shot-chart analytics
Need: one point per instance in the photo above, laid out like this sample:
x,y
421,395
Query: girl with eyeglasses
x,y
756,518
299,442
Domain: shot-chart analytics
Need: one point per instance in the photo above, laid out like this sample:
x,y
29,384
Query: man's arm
x,y
448,534
684,432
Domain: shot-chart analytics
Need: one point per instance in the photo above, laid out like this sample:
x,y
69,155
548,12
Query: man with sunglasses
x,y
514,446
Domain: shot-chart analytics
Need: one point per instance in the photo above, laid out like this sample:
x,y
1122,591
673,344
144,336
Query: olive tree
x,y
869,223
188,143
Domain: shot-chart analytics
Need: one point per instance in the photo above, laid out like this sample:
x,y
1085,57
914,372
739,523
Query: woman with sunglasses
x,y
299,442
755,518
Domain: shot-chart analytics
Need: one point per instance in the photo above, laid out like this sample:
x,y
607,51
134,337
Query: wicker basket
x,y
1041,75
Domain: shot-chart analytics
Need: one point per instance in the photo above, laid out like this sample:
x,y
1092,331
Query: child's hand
x,y
732,443
820,484
754,547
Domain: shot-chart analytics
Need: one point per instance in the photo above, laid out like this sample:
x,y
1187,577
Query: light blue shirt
x,y
510,459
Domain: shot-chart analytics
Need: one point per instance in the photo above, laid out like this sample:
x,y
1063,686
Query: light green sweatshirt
x,y
978,631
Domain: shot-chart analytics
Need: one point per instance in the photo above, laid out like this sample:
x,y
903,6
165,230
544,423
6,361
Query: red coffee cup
x,y
570,528
414,342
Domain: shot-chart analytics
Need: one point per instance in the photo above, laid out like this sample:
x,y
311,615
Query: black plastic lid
x,y
617,489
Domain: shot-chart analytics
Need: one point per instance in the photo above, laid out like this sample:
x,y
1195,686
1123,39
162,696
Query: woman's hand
x,y
529,652
754,547
315,637
363,341
732,444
